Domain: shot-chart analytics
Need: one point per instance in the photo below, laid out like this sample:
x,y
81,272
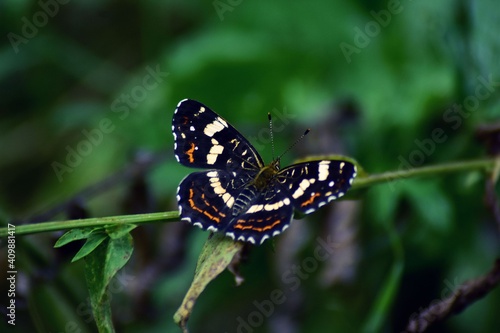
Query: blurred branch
x,y
433,170
361,182
461,298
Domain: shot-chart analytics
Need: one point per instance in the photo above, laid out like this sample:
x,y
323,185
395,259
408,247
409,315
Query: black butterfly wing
x,y
203,139
313,184
206,200
269,215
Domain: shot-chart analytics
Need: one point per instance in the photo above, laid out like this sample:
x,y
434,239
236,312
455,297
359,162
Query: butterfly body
x,y
238,194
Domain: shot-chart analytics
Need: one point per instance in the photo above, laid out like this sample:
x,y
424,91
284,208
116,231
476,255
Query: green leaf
x,y
118,231
383,201
73,235
216,255
101,265
93,241
433,206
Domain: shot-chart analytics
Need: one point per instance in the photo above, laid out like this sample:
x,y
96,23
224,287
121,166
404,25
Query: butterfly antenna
x,y
296,141
271,131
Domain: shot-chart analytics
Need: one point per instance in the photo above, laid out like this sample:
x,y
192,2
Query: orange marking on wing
x,y
190,152
207,214
310,200
213,207
211,217
245,227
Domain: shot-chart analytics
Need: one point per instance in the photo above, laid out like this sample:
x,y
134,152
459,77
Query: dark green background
x,y
411,61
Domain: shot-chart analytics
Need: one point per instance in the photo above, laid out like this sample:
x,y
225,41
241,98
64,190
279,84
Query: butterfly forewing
x,y
203,139
313,184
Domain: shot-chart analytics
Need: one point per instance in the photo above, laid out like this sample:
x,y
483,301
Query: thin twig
x,y
466,295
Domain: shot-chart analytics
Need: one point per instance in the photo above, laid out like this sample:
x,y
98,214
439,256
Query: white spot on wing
x,y
333,197
323,170
211,158
264,238
298,193
215,150
274,206
223,122
228,199
216,126
255,208
304,184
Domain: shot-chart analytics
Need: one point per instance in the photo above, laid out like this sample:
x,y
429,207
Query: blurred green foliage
x,y
86,85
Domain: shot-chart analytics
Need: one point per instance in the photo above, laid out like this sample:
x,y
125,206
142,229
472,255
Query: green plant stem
x,y
360,182
370,180
92,222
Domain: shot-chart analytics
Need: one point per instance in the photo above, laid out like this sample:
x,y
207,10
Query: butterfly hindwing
x,y
203,139
313,184
267,216
205,199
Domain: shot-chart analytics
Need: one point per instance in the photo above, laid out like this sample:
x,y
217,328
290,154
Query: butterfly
x,y
238,194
